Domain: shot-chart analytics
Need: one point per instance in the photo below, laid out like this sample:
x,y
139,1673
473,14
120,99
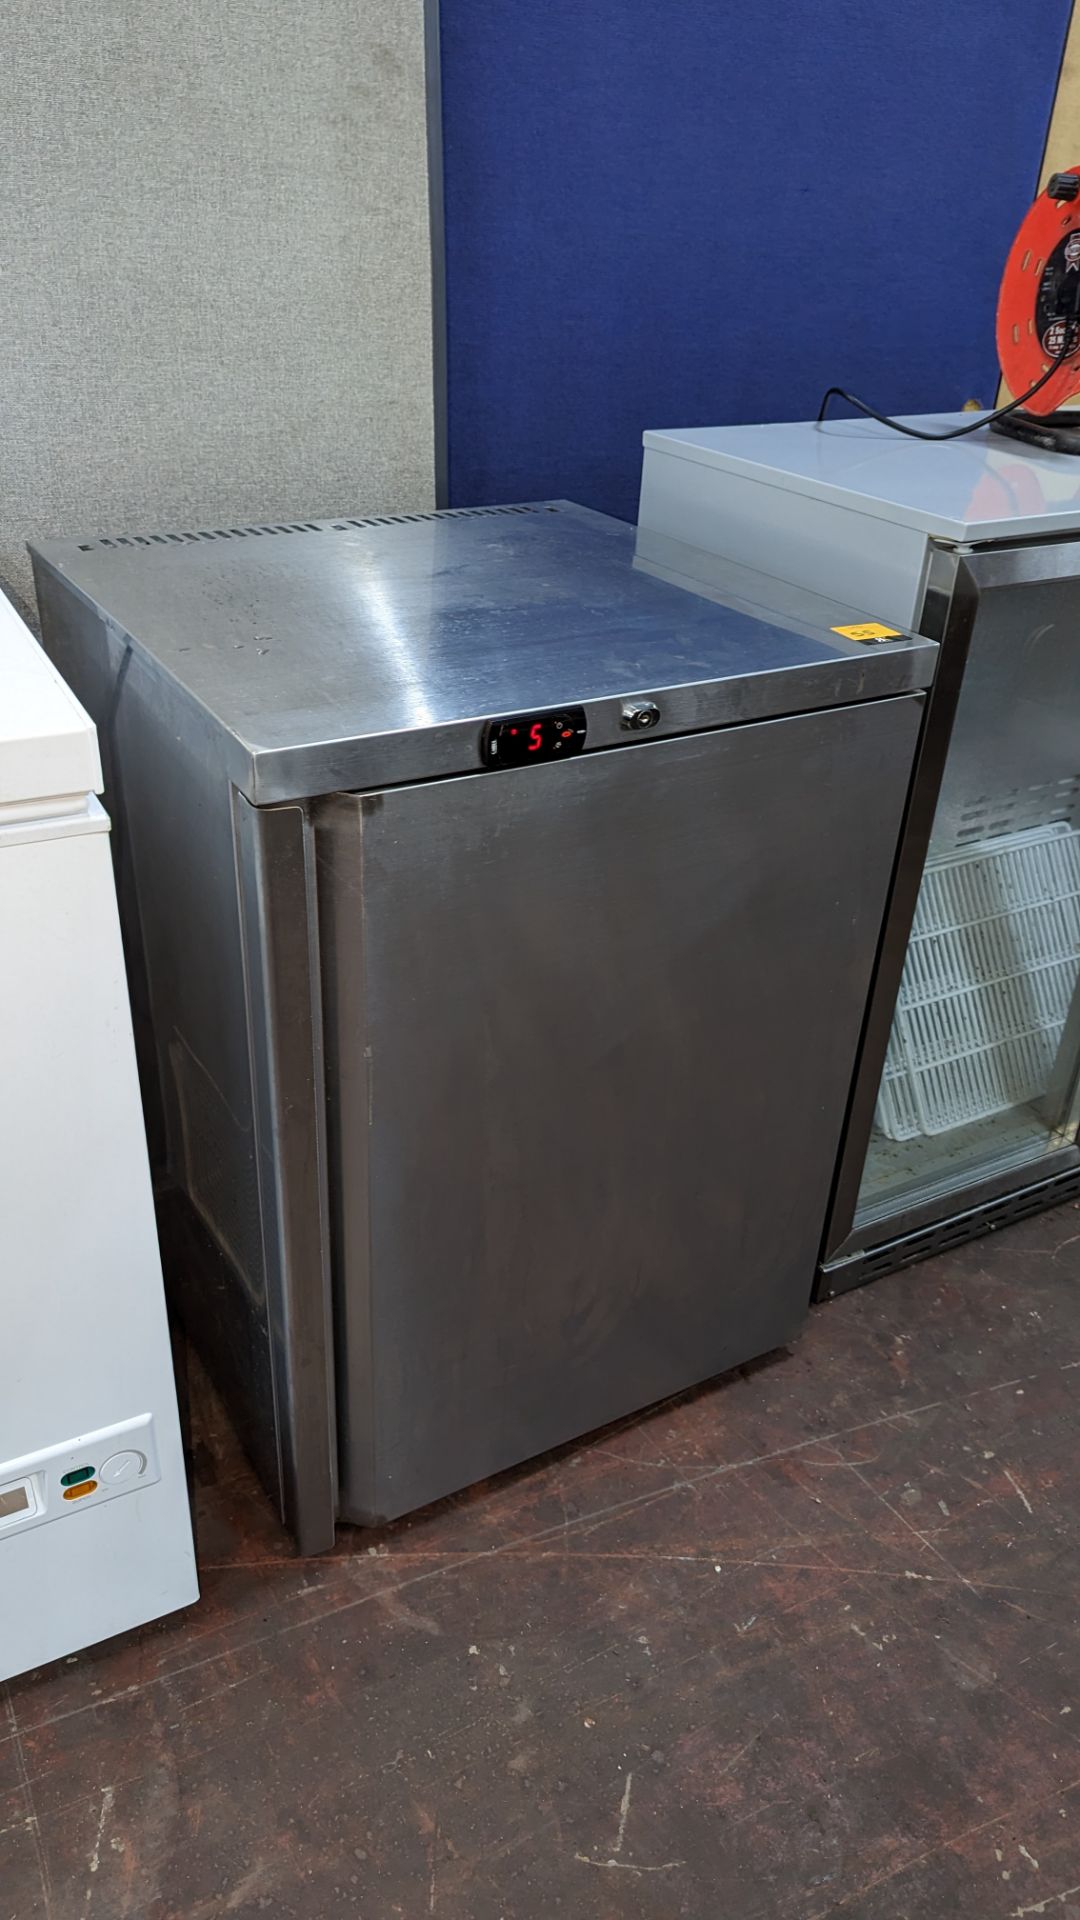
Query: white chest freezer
x,y
964,1111
95,1532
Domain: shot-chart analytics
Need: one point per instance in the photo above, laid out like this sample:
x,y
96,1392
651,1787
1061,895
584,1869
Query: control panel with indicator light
x,y
76,1476
525,739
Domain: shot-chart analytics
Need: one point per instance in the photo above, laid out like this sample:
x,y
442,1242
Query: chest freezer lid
x,y
345,654
982,487
48,745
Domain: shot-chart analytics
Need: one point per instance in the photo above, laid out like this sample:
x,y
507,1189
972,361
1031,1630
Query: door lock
x,y
639,715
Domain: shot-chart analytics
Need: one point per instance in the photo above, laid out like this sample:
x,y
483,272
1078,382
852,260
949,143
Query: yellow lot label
x,y
869,630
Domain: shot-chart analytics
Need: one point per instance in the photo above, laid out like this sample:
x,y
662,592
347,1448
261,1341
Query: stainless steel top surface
x,y
981,487
349,654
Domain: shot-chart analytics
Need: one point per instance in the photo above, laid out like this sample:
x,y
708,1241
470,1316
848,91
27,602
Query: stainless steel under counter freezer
x,y
501,921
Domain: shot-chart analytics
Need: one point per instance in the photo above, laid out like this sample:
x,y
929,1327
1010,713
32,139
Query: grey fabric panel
x,y
215,283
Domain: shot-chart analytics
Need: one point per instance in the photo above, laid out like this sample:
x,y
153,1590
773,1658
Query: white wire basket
x,y
992,964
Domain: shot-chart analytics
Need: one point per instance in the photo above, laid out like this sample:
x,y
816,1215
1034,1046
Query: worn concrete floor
x,y
803,1644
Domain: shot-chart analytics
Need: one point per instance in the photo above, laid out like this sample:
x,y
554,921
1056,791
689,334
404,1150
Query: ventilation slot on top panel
x,y
308,526
445,513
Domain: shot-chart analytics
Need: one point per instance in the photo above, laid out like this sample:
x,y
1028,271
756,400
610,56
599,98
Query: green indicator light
x,y
76,1476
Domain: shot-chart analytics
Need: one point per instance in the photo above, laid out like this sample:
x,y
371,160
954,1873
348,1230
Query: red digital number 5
x,y
536,737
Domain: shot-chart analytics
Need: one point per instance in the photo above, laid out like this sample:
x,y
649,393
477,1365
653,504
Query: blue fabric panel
x,y
688,212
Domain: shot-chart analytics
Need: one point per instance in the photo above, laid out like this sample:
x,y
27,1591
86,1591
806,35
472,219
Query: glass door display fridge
x,y
964,1108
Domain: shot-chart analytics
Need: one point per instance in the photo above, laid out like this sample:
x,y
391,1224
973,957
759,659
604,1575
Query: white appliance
x,y
95,1529
850,508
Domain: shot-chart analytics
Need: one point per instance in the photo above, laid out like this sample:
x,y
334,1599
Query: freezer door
x,y
967,1087
590,1031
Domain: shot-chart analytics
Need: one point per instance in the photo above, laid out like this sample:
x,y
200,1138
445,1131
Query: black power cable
x,y
1069,346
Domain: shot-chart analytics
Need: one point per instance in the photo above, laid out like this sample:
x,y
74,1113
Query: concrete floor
x,y
802,1644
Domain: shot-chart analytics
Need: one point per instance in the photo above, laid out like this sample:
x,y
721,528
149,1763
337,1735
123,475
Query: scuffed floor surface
x,y
803,1644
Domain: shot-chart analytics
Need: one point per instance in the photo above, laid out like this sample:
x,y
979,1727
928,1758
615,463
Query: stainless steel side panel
x,y
221,940
595,1026
279,919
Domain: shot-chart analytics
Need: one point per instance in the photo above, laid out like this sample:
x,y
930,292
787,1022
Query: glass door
x,y
978,1091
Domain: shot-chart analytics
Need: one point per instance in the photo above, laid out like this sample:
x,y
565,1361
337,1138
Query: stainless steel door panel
x,y
594,1026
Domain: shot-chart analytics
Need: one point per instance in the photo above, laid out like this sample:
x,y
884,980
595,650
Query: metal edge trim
x,y
283,994
369,763
950,602
1024,562
338,825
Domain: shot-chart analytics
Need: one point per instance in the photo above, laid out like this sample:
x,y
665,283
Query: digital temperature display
x,y
528,738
